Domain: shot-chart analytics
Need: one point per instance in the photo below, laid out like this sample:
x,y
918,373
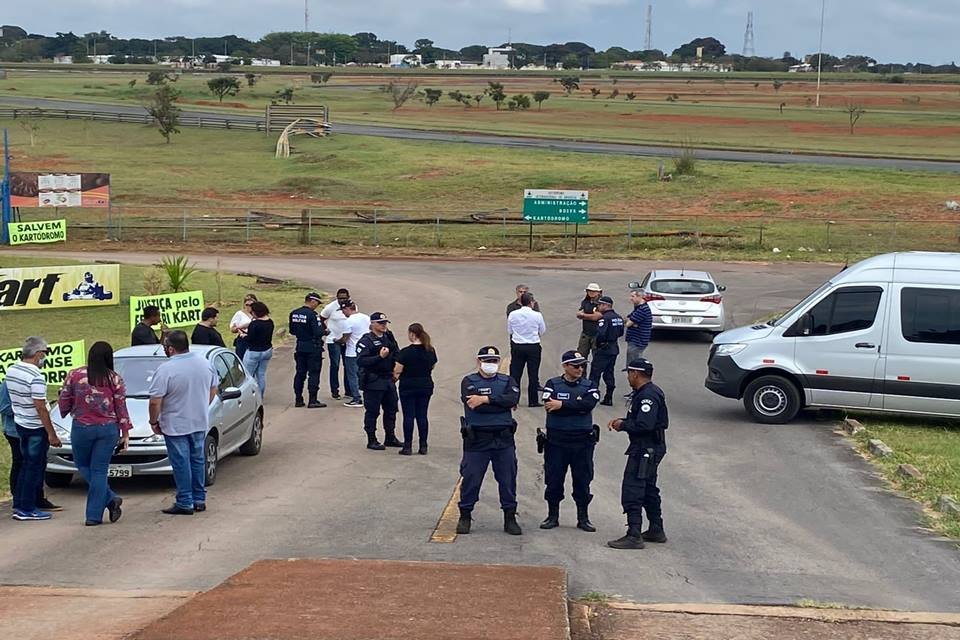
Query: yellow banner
x,y
59,287
38,232
61,358
177,309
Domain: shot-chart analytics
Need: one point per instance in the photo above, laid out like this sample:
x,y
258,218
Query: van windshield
x,y
776,321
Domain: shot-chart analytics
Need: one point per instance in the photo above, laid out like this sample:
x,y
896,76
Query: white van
x,y
883,335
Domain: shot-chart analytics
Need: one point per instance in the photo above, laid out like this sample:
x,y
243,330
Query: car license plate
x,y
683,319
120,471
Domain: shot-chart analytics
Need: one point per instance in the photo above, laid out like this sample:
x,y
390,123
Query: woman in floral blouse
x,y
96,398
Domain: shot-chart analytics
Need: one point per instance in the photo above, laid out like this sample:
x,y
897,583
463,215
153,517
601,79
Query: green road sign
x,y
545,205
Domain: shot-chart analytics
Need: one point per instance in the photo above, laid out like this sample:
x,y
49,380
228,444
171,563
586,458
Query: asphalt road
x,y
519,142
755,514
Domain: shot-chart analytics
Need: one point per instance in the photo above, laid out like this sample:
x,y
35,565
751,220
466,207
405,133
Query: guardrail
x,y
204,121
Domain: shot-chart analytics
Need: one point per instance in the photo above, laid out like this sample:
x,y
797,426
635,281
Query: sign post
x,y
6,213
552,205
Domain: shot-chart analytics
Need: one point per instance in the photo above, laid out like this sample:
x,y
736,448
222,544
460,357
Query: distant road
x,y
519,142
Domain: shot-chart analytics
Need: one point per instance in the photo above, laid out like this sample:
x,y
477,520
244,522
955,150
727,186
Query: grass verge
x,y
112,323
934,449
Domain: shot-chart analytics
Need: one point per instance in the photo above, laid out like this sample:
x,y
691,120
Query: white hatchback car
x,y
683,300
236,418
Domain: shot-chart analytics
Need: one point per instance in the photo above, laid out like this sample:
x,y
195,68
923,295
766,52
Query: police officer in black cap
x,y
377,354
570,439
308,328
488,428
645,423
609,332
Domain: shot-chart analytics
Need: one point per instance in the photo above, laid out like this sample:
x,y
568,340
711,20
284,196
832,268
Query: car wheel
x,y
211,450
252,446
772,400
58,480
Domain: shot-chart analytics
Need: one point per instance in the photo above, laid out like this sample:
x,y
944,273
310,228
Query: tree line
x,y
313,48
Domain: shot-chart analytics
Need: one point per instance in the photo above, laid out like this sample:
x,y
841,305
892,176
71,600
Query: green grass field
x,y
910,120
112,323
214,176
933,448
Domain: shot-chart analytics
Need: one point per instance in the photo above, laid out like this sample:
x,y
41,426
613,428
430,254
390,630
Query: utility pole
x,y
155,51
648,40
823,9
306,15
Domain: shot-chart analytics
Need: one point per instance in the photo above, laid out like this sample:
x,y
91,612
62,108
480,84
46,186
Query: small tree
x,y
594,92
178,270
432,96
321,78
456,96
157,77
164,110
539,97
400,93
251,79
496,93
478,98
777,85
570,83
631,96
613,94
854,112
224,67
224,86
31,127
519,102
286,95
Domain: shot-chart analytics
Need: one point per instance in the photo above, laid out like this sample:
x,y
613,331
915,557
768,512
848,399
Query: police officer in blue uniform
x,y
609,332
377,354
488,428
645,423
308,328
570,439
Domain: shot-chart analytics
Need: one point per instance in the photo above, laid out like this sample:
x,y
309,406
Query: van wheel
x,y
772,400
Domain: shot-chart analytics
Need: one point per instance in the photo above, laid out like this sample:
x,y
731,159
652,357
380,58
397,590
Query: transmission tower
x,y
648,41
748,49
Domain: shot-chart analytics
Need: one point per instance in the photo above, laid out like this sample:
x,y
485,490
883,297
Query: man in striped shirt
x,y
28,398
639,327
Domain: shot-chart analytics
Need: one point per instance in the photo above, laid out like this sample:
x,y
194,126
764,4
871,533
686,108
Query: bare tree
x,y
777,85
31,127
855,112
400,93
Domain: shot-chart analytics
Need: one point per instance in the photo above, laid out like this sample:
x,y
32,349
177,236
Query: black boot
x,y
315,404
463,524
407,450
423,449
373,443
583,519
298,402
391,440
633,539
608,398
553,516
510,524
655,533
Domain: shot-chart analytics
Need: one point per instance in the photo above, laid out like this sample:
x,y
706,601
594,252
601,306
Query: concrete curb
x,y
821,615
75,592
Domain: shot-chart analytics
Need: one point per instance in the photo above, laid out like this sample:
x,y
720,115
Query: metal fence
x,y
503,230
203,121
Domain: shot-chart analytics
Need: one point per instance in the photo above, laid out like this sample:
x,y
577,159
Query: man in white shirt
x,y
525,327
336,321
28,399
356,326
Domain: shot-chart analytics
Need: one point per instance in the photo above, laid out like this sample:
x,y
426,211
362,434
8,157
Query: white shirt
x,y
357,325
336,321
525,326
25,383
240,321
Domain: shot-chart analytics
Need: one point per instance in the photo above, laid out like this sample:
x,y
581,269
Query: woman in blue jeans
x,y
96,398
259,345
414,369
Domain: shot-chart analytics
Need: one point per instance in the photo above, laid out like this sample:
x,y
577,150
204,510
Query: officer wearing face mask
x,y
570,439
488,428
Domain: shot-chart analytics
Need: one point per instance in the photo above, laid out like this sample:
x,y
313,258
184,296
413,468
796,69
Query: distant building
x,y
674,67
406,60
802,68
497,58
448,64
63,59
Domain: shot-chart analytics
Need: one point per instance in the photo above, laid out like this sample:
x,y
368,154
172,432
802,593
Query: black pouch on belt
x,y
541,440
643,464
596,433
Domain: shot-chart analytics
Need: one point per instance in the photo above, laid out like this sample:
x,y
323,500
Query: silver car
x,y
683,300
236,418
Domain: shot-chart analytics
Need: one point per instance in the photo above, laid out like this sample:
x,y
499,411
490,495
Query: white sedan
x,y
683,300
236,418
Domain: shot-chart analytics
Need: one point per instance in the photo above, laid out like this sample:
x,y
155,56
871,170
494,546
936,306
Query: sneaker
x,y
353,403
114,508
36,514
46,505
335,395
299,403
316,404
199,507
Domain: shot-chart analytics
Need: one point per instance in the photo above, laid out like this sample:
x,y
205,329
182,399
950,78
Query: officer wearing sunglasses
x,y
570,439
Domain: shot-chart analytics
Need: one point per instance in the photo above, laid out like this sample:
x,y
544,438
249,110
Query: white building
x,y
802,68
406,60
497,58
448,64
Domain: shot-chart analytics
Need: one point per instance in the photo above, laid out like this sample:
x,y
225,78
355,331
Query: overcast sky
x,y
888,30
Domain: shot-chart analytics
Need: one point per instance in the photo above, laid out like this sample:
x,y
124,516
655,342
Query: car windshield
x,y
682,287
137,374
816,293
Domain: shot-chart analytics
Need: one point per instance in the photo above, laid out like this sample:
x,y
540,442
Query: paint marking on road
x,y
446,529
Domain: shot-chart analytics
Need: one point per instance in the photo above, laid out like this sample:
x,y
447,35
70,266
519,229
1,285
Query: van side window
x,y
845,310
930,315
